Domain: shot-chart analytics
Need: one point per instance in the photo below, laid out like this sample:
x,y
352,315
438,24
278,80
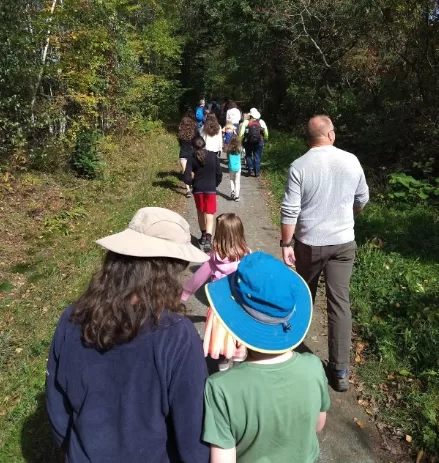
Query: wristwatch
x,y
287,245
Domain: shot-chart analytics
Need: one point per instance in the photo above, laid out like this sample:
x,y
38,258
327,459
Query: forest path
x,y
344,439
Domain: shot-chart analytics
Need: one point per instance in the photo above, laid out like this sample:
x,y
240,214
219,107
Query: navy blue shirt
x,y
138,402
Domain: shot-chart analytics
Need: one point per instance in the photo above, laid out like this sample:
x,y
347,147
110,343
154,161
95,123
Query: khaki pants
x,y
336,262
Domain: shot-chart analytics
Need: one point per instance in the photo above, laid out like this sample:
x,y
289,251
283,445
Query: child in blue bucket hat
x,y
269,408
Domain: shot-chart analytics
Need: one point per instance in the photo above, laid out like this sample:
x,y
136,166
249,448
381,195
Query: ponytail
x,y
198,144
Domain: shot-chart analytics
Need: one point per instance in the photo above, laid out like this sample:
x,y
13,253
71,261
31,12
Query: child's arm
x,y
219,455
218,172
188,174
321,421
198,279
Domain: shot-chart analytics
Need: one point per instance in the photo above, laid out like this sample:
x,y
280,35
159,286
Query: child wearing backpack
x,y
234,158
229,247
200,114
270,407
203,172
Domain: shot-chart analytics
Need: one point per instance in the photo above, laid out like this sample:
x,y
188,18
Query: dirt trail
x,y
343,440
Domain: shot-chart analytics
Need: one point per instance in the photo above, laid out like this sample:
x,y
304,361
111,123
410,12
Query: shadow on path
x,y
37,442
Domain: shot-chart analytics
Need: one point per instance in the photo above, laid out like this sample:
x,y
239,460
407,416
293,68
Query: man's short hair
x,y
318,127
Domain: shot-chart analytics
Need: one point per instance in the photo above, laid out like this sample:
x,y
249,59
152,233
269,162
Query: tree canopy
x,y
372,65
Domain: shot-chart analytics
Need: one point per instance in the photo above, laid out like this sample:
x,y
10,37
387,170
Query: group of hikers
x,y
127,379
202,140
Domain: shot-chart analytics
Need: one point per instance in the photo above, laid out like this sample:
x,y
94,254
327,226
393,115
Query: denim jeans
x,y
253,156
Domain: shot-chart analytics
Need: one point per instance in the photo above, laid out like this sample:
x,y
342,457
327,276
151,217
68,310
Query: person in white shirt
x,y
233,114
212,134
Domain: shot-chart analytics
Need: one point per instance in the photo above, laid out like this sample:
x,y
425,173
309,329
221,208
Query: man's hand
x,y
289,256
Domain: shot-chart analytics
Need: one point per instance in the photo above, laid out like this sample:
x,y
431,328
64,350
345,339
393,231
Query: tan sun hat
x,y
155,232
255,113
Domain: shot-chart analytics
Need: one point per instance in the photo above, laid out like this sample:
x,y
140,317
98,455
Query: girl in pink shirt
x,y
228,248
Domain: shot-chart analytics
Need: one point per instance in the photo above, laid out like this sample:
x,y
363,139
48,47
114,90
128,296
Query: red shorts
x,y
205,202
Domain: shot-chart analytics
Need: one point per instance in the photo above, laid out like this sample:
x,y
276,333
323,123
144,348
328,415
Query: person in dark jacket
x,y
186,131
126,370
203,172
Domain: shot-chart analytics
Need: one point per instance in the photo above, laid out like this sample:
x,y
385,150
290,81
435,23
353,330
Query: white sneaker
x,y
232,195
237,199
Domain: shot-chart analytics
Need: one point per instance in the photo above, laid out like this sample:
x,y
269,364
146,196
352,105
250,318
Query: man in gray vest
x,y
326,189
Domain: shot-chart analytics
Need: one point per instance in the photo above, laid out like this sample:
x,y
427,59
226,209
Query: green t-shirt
x,y
269,412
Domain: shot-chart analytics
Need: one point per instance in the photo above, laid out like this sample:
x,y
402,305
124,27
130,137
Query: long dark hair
x,y
199,144
211,126
124,294
187,129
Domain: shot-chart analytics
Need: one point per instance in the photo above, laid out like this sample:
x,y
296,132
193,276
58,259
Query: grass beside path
x,y
49,224
395,303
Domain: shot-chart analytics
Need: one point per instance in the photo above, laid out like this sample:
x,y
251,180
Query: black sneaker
x,y
339,380
203,239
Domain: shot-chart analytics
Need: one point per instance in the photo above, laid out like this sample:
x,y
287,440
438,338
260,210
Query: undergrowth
x,y
395,300
51,223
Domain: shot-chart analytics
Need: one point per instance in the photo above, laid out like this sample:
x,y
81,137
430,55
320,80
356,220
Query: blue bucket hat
x,y
264,305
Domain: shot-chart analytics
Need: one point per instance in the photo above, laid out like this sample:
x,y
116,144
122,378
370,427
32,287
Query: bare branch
x,y
313,41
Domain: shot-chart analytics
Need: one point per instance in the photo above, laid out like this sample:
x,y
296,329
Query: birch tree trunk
x,y
43,62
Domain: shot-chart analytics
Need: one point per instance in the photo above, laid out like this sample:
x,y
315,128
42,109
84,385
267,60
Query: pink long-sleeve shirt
x,y
214,269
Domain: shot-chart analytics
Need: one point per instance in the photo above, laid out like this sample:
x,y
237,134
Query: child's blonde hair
x,y
229,240
229,127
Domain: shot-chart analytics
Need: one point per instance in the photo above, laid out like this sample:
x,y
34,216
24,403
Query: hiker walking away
x,y
186,131
229,247
269,407
126,370
203,172
234,164
233,114
200,114
214,107
212,134
224,108
254,134
326,189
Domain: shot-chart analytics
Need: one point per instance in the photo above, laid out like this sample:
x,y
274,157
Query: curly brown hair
x,y
124,294
211,126
187,129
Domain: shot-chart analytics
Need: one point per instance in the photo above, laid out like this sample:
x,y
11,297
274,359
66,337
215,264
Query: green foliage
x,y
372,66
70,67
405,187
395,294
86,161
63,222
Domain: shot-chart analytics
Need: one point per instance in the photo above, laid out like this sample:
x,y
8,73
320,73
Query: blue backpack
x,y
199,114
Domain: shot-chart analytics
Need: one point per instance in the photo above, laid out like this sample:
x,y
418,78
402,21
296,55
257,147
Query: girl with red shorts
x,y
203,172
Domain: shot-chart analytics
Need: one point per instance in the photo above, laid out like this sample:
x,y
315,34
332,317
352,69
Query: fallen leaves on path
x,y
359,423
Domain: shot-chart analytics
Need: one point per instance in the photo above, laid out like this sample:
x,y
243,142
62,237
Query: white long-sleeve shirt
x,y
233,115
323,187
214,143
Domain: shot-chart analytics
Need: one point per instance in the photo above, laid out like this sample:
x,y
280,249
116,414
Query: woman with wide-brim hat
x,y
126,369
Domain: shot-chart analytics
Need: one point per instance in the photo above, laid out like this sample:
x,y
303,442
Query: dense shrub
x,y
86,160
